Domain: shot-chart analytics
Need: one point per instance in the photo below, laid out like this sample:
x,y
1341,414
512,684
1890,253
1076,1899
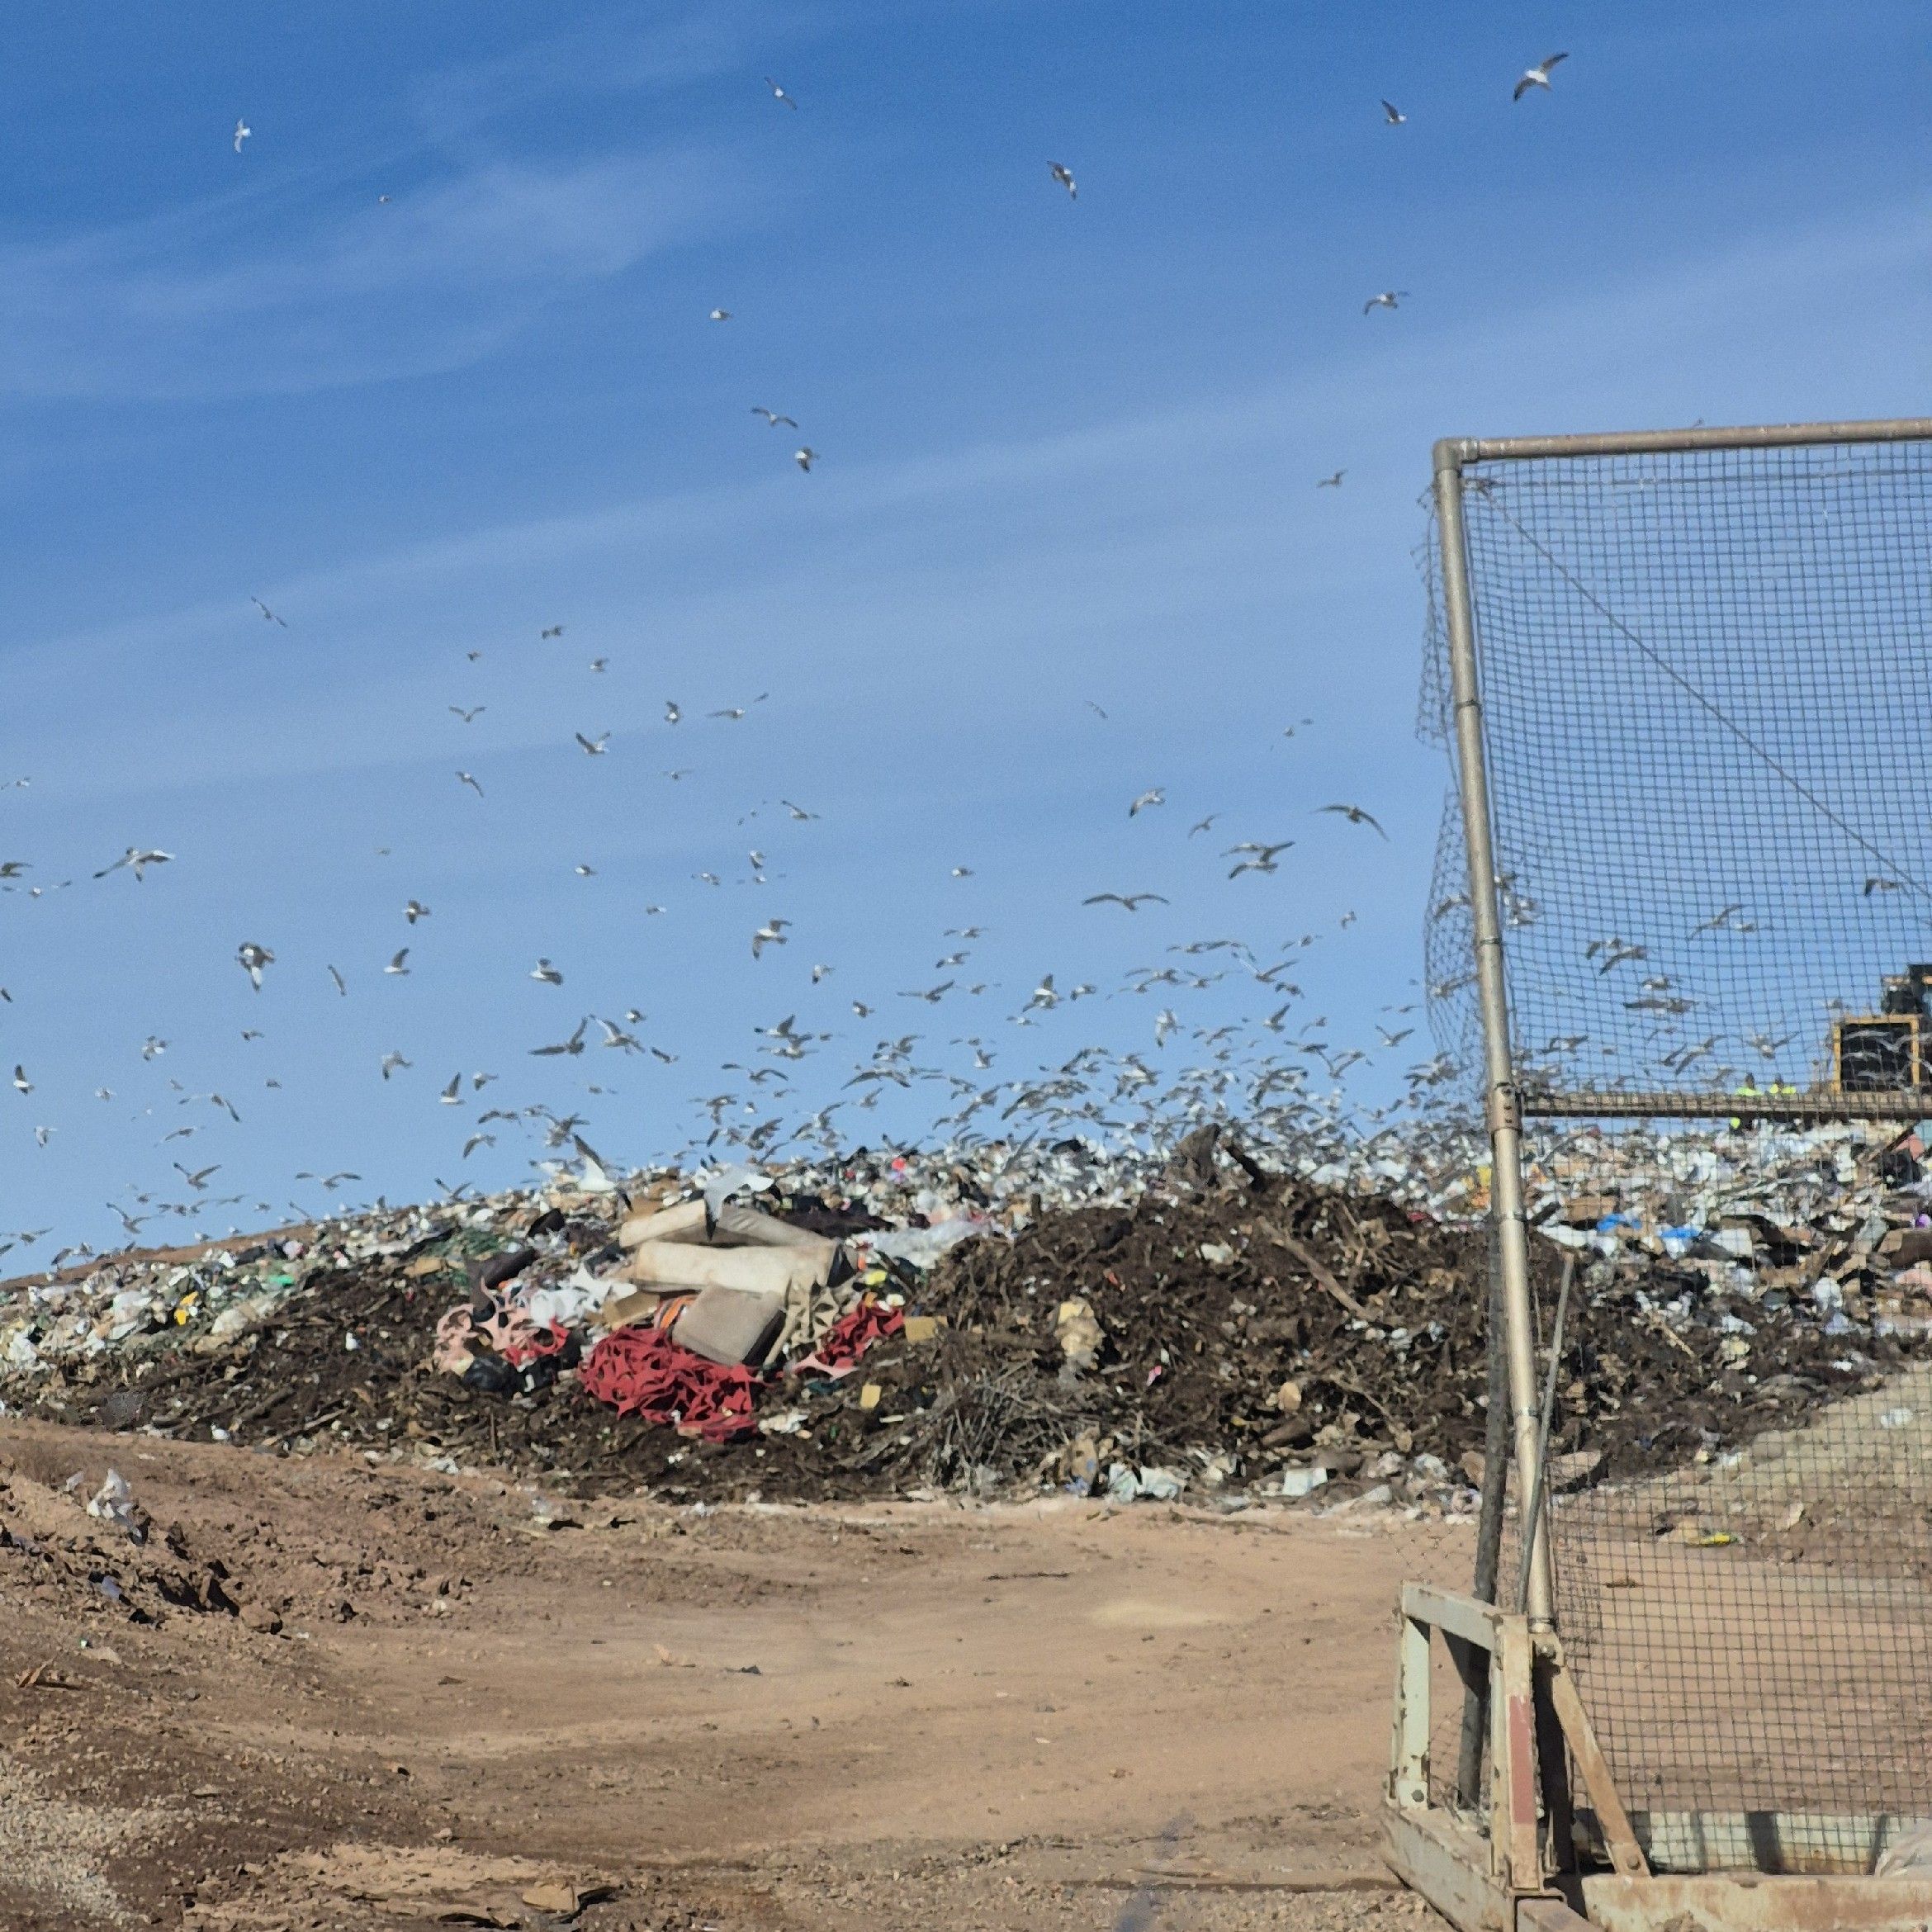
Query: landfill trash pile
x,y
996,1320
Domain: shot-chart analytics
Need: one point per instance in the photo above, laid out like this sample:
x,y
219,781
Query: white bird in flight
x,y
772,933
772,418
805,458
1153,796
242,131
1537,76
1355,815
546,972
721,314
1065,176
593,747
1262,859
252,959
779,93
1392,113
1390,298
397,964
136,858
267,614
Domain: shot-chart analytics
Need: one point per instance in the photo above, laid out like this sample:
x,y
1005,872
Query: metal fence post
x,y
1503,1115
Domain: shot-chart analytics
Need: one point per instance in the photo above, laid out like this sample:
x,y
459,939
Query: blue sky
x,y
1068,453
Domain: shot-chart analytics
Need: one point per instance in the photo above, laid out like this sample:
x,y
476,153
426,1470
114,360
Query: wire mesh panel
x,y
1703,675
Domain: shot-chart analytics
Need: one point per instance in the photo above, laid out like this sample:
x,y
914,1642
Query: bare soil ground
x,y
328,1695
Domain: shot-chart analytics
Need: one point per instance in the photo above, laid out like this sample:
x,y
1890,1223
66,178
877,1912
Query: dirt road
x,y
325,1694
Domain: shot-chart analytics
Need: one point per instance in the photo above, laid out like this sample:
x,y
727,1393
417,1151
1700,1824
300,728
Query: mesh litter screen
x,y
1702,674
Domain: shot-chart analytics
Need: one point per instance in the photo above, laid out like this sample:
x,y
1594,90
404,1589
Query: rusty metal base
x,y
1510,1867
1750,1902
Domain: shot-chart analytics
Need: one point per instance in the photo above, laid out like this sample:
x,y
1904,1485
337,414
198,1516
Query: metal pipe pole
x,y
1490,449
1500,1108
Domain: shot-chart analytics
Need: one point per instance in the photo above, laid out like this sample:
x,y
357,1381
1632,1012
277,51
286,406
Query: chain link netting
x,y
1703,676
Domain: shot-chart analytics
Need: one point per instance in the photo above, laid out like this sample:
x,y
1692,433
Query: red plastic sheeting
x,y
642,1371
550,1340
848,1339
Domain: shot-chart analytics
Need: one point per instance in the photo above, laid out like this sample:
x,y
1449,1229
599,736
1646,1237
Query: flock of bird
x,y
1259,1070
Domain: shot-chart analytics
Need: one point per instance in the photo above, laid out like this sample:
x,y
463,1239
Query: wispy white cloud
x,y
625,50
228,299
1110,539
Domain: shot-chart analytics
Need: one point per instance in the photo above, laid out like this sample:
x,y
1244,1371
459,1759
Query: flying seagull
x,y
772,933
1132,901
1718,920
546,972
1153,796
472,715
341,984
593,747
779,93
396,965
1333,482
252,959
391,1062
242,131
772,418
1261,857
721,314
805,458
464,778
137,859
1392,113
1355,815
671,713
267,614
1390,298
1065,176
415,910
1537,76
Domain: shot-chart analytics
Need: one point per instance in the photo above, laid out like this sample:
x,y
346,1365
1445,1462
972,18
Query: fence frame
x,y
1534,1712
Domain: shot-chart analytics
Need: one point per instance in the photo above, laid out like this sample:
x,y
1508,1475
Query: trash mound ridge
x,y
1220,1331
